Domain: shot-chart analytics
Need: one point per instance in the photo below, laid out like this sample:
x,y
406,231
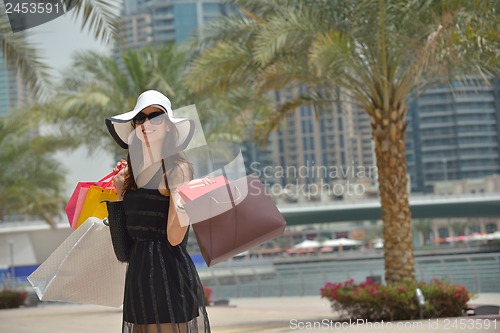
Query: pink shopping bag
x,y
75,203
74,206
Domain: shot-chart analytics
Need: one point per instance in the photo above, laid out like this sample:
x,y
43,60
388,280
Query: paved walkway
x,y
244,315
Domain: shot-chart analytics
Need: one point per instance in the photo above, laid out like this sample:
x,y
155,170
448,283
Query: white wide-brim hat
x,y
120,126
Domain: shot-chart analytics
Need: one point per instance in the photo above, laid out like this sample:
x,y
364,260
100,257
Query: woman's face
x,y
151,124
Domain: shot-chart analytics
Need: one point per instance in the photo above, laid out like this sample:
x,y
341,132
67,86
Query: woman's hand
x,y
119,178
120,165
207,180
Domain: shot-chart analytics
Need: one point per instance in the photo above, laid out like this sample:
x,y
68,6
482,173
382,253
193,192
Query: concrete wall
x,y
30,247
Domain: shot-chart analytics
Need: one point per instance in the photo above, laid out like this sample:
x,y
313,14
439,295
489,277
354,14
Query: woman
x,y
163,292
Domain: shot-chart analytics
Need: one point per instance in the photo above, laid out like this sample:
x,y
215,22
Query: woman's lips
x,y
148,131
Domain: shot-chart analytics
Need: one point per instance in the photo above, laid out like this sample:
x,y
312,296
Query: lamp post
x,y
11,255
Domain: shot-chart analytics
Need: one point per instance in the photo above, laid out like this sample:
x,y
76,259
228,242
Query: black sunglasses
x,y
153,117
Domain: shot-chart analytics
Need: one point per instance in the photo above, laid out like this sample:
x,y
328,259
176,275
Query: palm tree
x,y
377,54
98,16
31,181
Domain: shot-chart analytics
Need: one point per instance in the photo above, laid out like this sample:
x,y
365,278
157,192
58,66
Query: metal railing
x,y
477,272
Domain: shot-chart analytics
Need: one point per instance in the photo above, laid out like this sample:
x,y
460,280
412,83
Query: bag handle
x,y
233,204
232,200
110,176
106,185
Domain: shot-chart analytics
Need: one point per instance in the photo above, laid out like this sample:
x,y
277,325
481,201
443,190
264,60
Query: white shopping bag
x,y
83,269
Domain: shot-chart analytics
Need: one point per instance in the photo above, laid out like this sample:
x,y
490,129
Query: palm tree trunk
x,y
389,135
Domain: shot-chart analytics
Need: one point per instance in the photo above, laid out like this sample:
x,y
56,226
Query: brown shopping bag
x,y
252,220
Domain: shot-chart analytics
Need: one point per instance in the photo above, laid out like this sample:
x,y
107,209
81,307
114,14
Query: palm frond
x,y
264,127
101,17
31,180
229,28
221,67
285,32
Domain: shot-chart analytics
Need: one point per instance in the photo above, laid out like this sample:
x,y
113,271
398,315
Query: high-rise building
x,y
163,21
12,91
324,149
454,134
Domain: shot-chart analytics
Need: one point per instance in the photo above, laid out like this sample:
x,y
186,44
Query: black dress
x,y
162,285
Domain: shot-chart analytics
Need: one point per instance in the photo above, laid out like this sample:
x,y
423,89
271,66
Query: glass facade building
x,y
12,92
4,88
454,133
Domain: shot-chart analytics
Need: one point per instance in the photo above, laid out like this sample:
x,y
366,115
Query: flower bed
x,y
375,302
10,299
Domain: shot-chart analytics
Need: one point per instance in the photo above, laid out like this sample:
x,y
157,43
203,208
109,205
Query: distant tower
x,y
5,98
12,92
454,134
166,21
327,147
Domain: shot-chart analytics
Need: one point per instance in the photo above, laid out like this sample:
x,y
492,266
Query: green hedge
x,y
376,302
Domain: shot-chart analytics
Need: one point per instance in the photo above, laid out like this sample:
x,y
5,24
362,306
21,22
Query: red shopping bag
x,y
77,199
198,187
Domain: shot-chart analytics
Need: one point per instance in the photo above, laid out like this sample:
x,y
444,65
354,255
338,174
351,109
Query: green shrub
x,y
10,299
375,302
444,299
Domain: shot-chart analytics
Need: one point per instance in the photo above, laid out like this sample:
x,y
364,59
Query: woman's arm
x,y
178,220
